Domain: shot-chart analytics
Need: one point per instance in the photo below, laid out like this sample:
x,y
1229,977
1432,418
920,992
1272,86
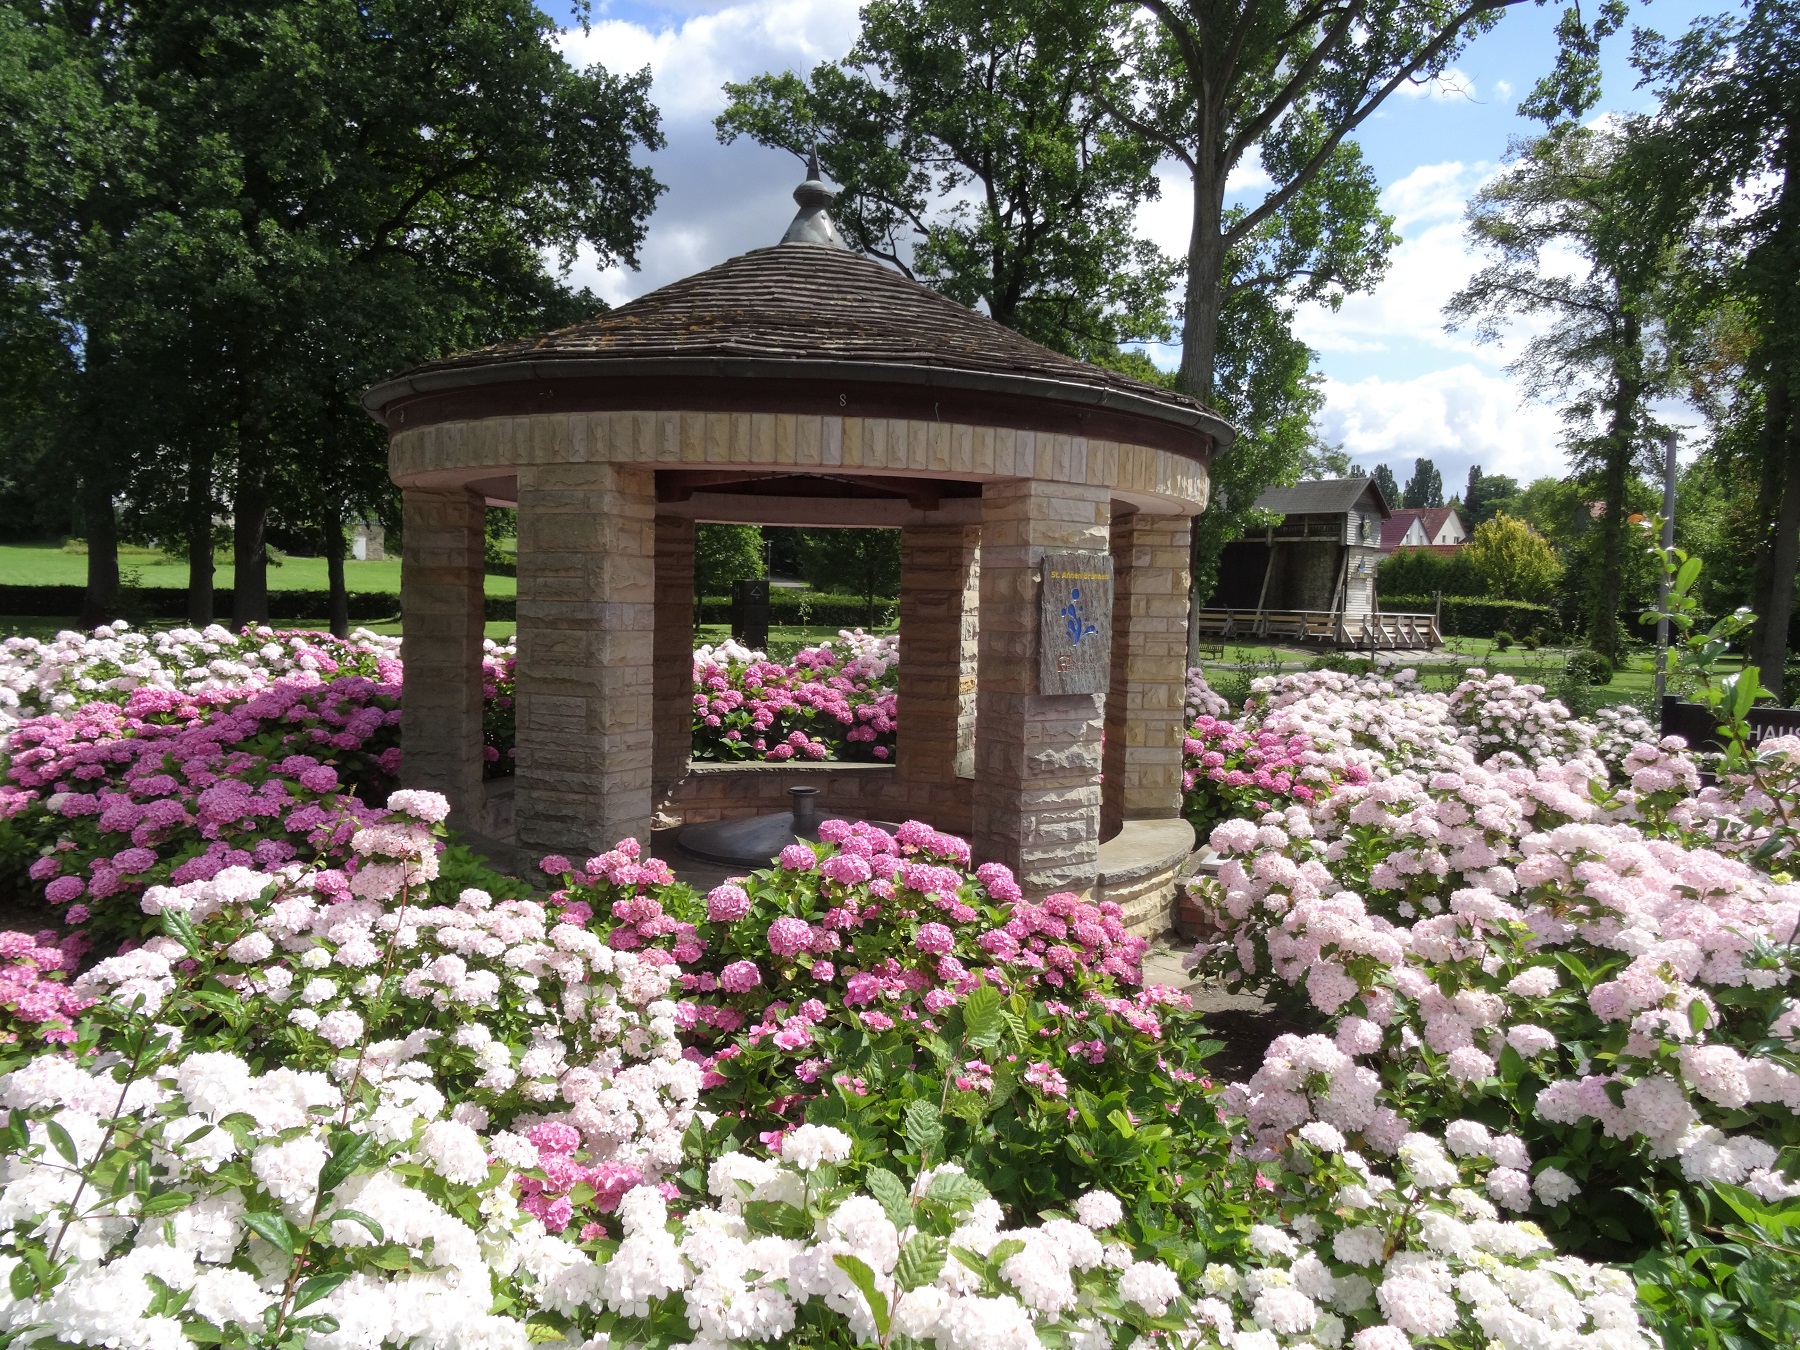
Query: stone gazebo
x,y
804,384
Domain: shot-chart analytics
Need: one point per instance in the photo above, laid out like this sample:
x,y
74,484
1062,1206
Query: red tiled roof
x,y
1431,519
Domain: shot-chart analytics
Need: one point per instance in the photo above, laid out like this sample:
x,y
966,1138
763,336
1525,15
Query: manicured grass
x,y
49,565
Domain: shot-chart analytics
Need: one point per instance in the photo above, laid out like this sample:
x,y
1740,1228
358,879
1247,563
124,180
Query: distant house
x,y
1321,557
1436,527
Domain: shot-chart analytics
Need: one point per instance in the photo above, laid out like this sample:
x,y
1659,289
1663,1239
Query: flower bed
x,y
830,702
872,1094
1518,932
138,759
325,1110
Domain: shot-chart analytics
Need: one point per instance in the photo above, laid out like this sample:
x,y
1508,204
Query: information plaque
x,y
1075,623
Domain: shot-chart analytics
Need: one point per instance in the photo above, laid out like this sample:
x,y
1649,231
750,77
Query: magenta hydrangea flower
x,y
61,890
797,858
740,977
789,937
934,939
727,903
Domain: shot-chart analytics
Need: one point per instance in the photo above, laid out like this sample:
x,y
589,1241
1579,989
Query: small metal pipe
x,y
1670,441
806,809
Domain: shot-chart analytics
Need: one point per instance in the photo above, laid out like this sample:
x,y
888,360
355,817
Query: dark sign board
x,y
1075,623
750,611
1695,724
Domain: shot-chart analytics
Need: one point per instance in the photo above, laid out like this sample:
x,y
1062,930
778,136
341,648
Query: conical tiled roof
x,y
803,309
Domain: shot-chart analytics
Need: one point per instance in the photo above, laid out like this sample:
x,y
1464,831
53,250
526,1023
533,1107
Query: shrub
x,y
796,607
1420,571
1503,640
1513,560
1474,616
1591,667
171,602
1598,974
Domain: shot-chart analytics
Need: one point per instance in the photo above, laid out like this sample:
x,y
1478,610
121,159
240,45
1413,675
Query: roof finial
x,y
812,224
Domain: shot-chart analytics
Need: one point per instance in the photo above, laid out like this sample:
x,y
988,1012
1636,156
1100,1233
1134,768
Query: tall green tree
x,y
1487,494
1284,84
865,560
1727,138
315,193
1425,488
1389,485
1603,352
974,154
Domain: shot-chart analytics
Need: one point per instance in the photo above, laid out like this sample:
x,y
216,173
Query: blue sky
x,y
1396,385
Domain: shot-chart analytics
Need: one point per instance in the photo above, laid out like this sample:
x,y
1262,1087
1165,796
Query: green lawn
x,y
1632,683
50,565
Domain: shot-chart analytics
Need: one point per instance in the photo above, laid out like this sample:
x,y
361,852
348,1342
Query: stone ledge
x,y
1139,869
706,768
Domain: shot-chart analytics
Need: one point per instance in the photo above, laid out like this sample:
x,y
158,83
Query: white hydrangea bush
x,y
1388,723
505,1007
1421,1256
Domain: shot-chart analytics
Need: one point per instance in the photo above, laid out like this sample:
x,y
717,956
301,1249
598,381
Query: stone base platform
x,y
1139,867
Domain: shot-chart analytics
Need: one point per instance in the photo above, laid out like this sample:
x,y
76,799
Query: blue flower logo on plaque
x,y
1075,616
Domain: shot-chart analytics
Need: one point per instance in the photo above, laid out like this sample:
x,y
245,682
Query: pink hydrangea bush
x,y
1228,771
1504,942
875,982
36,1002
499,717
172,787
835,701
326,1106
108,665
1386,722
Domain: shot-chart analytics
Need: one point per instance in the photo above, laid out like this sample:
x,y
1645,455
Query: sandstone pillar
x,y
586,641
1146,696
1037,756
935,566
674,653
442,606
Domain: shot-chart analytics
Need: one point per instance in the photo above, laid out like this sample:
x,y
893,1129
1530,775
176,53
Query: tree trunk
x,y
1779,499
1205,294
199,538
1604,628
101,527
249,550
1776,603
338,604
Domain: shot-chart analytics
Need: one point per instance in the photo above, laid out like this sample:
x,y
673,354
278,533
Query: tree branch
x,y
1286,193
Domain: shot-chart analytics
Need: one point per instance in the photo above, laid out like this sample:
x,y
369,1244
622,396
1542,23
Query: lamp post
x,y
1670,440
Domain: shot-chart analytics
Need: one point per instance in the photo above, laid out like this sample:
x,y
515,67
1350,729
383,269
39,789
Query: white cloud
x,y
1456,417
1430,264
721,200
692,61
1404,314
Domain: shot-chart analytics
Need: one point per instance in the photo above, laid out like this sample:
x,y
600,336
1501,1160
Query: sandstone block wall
x,y
1144,704
441,595
586,608
1037,756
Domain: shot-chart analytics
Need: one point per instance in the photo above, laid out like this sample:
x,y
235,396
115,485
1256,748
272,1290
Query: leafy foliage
x,y
974,153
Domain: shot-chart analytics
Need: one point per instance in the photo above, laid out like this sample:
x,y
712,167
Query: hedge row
x,y
170,602
138,604
802,607
1477,615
